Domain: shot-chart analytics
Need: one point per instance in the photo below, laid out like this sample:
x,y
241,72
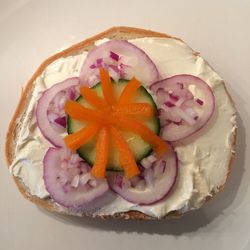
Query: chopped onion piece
x,y
114,56
151,158
85,178
61,121
146,163
199,101
185,116
75,181
169,104
180,101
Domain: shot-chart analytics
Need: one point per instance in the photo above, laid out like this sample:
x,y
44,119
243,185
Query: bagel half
x,y
13,130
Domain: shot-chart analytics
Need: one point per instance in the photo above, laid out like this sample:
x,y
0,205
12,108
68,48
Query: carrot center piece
x,y
110,114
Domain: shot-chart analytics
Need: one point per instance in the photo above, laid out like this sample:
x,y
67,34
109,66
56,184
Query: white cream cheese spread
x,y
203,158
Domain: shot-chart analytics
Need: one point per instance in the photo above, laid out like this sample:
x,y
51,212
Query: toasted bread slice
x,y
11,138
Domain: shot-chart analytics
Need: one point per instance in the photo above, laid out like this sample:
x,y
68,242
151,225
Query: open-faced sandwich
x,y
127,124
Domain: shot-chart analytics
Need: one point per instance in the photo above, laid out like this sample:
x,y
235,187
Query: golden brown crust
x,y
117,33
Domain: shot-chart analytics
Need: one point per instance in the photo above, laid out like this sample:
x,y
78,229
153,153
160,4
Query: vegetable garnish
x,y
129,91
123,60
136,109
102,153
107,87
74,141
127,160
108,116
92,98
78,112
130,124
186,104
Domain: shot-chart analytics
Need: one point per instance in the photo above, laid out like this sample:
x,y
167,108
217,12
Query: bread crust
x,y
119,32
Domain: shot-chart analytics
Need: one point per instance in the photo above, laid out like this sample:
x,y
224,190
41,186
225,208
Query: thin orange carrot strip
x,y
126,157
76,111
148,135
129,91
136,109
102,153
92,98
76,140
107,87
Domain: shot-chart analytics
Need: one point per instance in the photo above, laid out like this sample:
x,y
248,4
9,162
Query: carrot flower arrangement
x,y
106,118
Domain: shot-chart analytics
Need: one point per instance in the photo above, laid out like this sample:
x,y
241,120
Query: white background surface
x,y
30,31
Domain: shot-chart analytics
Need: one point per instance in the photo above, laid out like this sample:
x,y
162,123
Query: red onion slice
x,y
115,53
193,112
42,110
153,184
72,186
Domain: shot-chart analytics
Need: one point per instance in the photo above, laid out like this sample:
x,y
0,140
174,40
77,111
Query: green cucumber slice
x,y
138,146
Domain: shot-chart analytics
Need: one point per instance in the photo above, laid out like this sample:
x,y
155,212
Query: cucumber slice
x,y
138,146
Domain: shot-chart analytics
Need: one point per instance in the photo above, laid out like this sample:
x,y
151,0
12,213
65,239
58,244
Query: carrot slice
x,y
107,87
92,98
78,112
148,135
76,140
137,109
125,155
102,153
129,91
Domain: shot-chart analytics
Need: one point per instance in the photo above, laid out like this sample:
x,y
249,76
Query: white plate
x,y
33,30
